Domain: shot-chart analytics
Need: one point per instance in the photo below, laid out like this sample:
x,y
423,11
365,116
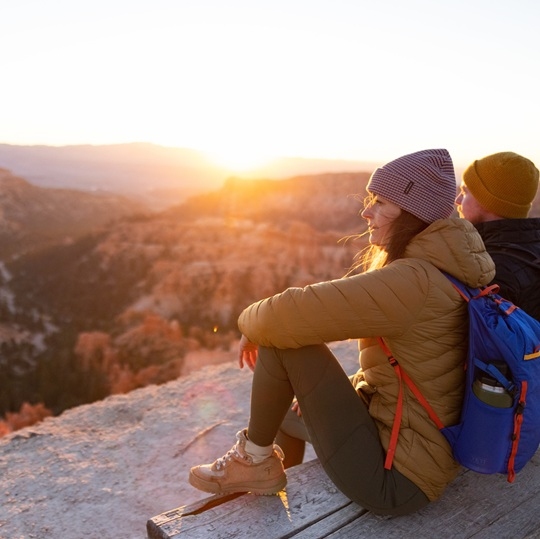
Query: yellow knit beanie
x,y
504,183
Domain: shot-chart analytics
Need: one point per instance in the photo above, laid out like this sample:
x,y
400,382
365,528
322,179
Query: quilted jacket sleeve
x,y
378,303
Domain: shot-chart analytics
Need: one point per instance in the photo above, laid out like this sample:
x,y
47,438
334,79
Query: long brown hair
x,y
402,230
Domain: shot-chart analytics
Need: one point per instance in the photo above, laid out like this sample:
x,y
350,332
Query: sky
x,y
248,80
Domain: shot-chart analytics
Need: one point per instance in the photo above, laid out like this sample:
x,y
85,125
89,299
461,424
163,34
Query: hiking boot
x,y
236,472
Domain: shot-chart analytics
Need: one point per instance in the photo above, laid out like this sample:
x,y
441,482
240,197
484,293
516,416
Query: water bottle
x,y
488,390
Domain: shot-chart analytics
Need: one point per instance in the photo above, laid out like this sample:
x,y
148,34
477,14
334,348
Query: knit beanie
x,y
504,183
422,183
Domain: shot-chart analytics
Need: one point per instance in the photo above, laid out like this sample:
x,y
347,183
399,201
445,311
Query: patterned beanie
x,y
504,183
422,183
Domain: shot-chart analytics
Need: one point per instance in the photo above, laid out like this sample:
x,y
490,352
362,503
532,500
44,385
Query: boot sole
x,y
262,487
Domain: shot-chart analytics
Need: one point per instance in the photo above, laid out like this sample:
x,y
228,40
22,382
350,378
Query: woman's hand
x,y
296,408
248,353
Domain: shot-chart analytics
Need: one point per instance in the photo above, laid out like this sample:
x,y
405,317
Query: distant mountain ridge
x,y
33,216
327,202
159,175
149,172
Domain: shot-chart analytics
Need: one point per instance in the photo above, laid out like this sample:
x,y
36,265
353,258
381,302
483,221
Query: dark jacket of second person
x,y
514,245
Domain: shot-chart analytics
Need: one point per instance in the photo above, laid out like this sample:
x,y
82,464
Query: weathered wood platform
x,y
311,507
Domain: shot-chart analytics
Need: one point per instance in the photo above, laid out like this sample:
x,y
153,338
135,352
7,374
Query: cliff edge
x,y
100,471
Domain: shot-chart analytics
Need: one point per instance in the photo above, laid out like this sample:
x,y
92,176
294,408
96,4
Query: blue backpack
x,y
499,427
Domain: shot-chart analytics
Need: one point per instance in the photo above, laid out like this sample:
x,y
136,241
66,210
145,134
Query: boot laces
x,y
233,452
238,451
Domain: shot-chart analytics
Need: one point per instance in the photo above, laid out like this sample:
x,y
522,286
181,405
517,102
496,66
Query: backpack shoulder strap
x,y
468,293
403,377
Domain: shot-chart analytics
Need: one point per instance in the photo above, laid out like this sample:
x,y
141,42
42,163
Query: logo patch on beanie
x,y
409,187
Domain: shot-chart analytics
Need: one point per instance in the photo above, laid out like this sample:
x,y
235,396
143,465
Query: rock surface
x,y
101,471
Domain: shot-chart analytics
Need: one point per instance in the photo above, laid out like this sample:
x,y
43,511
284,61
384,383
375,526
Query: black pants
x,y
343,434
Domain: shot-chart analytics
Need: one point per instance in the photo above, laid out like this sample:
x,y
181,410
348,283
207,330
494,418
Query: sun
x,y
240,159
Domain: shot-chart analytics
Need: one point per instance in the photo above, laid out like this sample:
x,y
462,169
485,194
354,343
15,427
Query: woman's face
x,y
380,214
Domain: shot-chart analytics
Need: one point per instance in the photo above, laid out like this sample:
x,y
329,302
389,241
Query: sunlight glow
x,y
239,160
285,501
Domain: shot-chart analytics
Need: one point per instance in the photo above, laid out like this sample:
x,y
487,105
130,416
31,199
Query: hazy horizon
x,y
147,152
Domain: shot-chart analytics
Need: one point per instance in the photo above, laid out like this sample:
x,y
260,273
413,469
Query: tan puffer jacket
x,y
413,306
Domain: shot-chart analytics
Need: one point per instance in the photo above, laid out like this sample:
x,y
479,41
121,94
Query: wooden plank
x,y
309,497
479,506
331,523
311,507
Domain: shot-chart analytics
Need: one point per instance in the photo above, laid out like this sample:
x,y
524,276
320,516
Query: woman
x,y
404,298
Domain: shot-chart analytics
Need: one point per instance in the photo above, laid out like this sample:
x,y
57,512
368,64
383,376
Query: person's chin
x,y
374,241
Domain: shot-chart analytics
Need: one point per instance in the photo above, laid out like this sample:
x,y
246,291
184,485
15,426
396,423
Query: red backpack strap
x,y
518,421
403,377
